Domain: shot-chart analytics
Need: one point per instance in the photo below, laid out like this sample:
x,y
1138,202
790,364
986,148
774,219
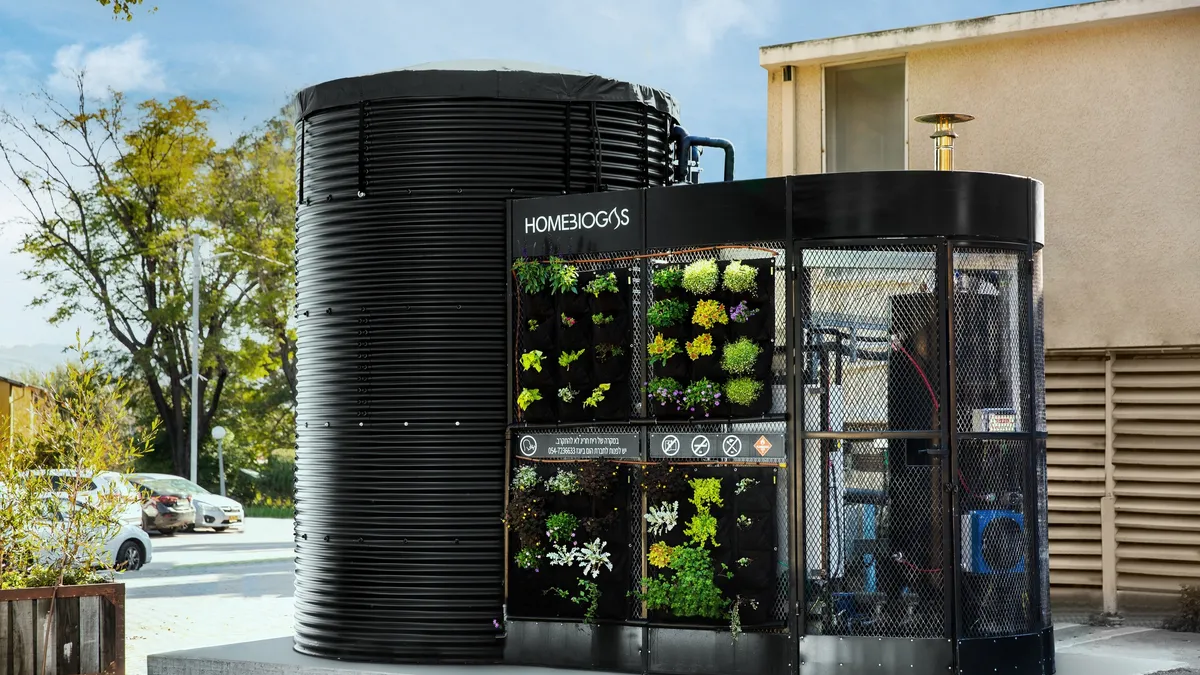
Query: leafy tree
x,y
123,9
114,197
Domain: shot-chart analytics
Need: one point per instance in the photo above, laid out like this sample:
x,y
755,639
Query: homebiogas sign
x,y
586,223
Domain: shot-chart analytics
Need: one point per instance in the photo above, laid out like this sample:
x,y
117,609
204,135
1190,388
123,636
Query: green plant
x,y
593,557
663,518
738,357
741,278
563,482
666,313
744,521
597,395
523,515
667,278
532,360
660,554
529,557
700,277
701,528
588,596
525,478
531,275
605,351
563,555
743,562
706,492
561,276
533,325
665,391
703,394
735,615
560,527
567,394
527,397
700,346
602,283
601,319
1187,617
566,358
662,349
743,390
744,485
261,511
688,588
567,320
709,313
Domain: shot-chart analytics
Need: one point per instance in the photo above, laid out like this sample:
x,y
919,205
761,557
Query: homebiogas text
x,y
614,218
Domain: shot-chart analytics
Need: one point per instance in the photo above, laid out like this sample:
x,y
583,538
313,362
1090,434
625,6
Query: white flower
x,y
563,556
593,557
663,518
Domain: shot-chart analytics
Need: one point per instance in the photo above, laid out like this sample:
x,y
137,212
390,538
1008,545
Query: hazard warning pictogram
x,y
763,446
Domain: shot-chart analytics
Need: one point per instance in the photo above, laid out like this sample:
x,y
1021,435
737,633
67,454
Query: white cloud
x,y
705,22
124,67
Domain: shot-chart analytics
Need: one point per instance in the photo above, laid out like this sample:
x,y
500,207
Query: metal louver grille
x,y
402,366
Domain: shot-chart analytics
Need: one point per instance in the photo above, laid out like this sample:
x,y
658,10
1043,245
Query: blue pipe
x,y
690,143
682,168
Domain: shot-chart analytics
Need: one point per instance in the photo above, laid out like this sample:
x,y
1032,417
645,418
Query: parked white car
x,y
212,511
122,547
96,486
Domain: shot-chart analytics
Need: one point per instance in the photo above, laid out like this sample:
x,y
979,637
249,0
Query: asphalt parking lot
x,y
204,589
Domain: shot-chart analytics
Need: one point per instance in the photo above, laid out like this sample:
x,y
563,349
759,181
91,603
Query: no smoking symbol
x,y
700,446
732,446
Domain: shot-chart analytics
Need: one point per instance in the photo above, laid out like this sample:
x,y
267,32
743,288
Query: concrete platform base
x,y
276,657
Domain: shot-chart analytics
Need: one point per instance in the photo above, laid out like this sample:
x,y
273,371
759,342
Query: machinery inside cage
x,y
607,417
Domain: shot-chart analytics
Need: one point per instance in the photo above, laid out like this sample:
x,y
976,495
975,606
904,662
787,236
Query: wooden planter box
x,y
86,635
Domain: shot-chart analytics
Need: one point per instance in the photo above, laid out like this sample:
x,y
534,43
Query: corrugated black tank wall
x,y
402,183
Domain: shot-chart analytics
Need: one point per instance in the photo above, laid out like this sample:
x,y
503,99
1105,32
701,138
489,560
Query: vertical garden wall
x,y
403,180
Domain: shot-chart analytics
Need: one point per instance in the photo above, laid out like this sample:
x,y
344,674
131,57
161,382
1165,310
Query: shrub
x,y
743,390
531,275
662,483
566,358
523,516
605,351
706,492
563,482
741,278
532,360
529,557
666,313
667,278
560,527
1187,619
701,528
526,478
527,397
700,346
688,588
660,554
700,277
709,313
567,321
596,478
597,395
561,277
739,357
601,319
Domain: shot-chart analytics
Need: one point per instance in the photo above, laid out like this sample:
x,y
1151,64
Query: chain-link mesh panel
x,y
1043,533
636,525
996,573
870,337
1038,358
991,341
873,539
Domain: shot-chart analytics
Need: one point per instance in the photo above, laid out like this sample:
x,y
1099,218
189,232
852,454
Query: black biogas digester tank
x,y
401,264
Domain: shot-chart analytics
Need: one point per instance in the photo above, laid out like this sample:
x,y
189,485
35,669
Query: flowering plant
x,y
743,390
565,482
741,312
665,391
662,518
738,357
560,527
744,521
700,277
741,278
744,484
527,558
709,313
567,394
526,478
703,394
661,349
700,346
567,321
593,556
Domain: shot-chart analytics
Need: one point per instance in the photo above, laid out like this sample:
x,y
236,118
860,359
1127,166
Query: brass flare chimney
x,y
943,137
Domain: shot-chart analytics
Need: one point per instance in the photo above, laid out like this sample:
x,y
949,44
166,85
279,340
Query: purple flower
x,y
495,623
536,570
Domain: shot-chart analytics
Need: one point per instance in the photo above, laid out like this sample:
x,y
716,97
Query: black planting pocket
x,y
677,367
543,379
614,405
615,332
681,333
543,410
609,303
573,411
612,369
575,304
756,409
707,367
576,337
757,325
538,306
759,534
762,365
578,374
669,411
719,333
543,338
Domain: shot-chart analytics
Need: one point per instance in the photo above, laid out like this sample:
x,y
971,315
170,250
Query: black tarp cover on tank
x,y
484,78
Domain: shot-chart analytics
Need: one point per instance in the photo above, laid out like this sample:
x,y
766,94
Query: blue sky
x,y
251,55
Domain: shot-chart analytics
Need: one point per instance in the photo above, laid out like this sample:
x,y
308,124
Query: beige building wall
x,y
1108,117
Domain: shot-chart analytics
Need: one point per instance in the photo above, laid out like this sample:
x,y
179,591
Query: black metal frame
x,y
943,210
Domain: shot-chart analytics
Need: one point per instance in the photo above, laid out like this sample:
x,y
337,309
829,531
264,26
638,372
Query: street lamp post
x,y
195,435
219,433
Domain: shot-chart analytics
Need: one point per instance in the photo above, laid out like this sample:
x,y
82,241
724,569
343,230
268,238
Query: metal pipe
x,y
195,435
943,137
683,172
690,142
